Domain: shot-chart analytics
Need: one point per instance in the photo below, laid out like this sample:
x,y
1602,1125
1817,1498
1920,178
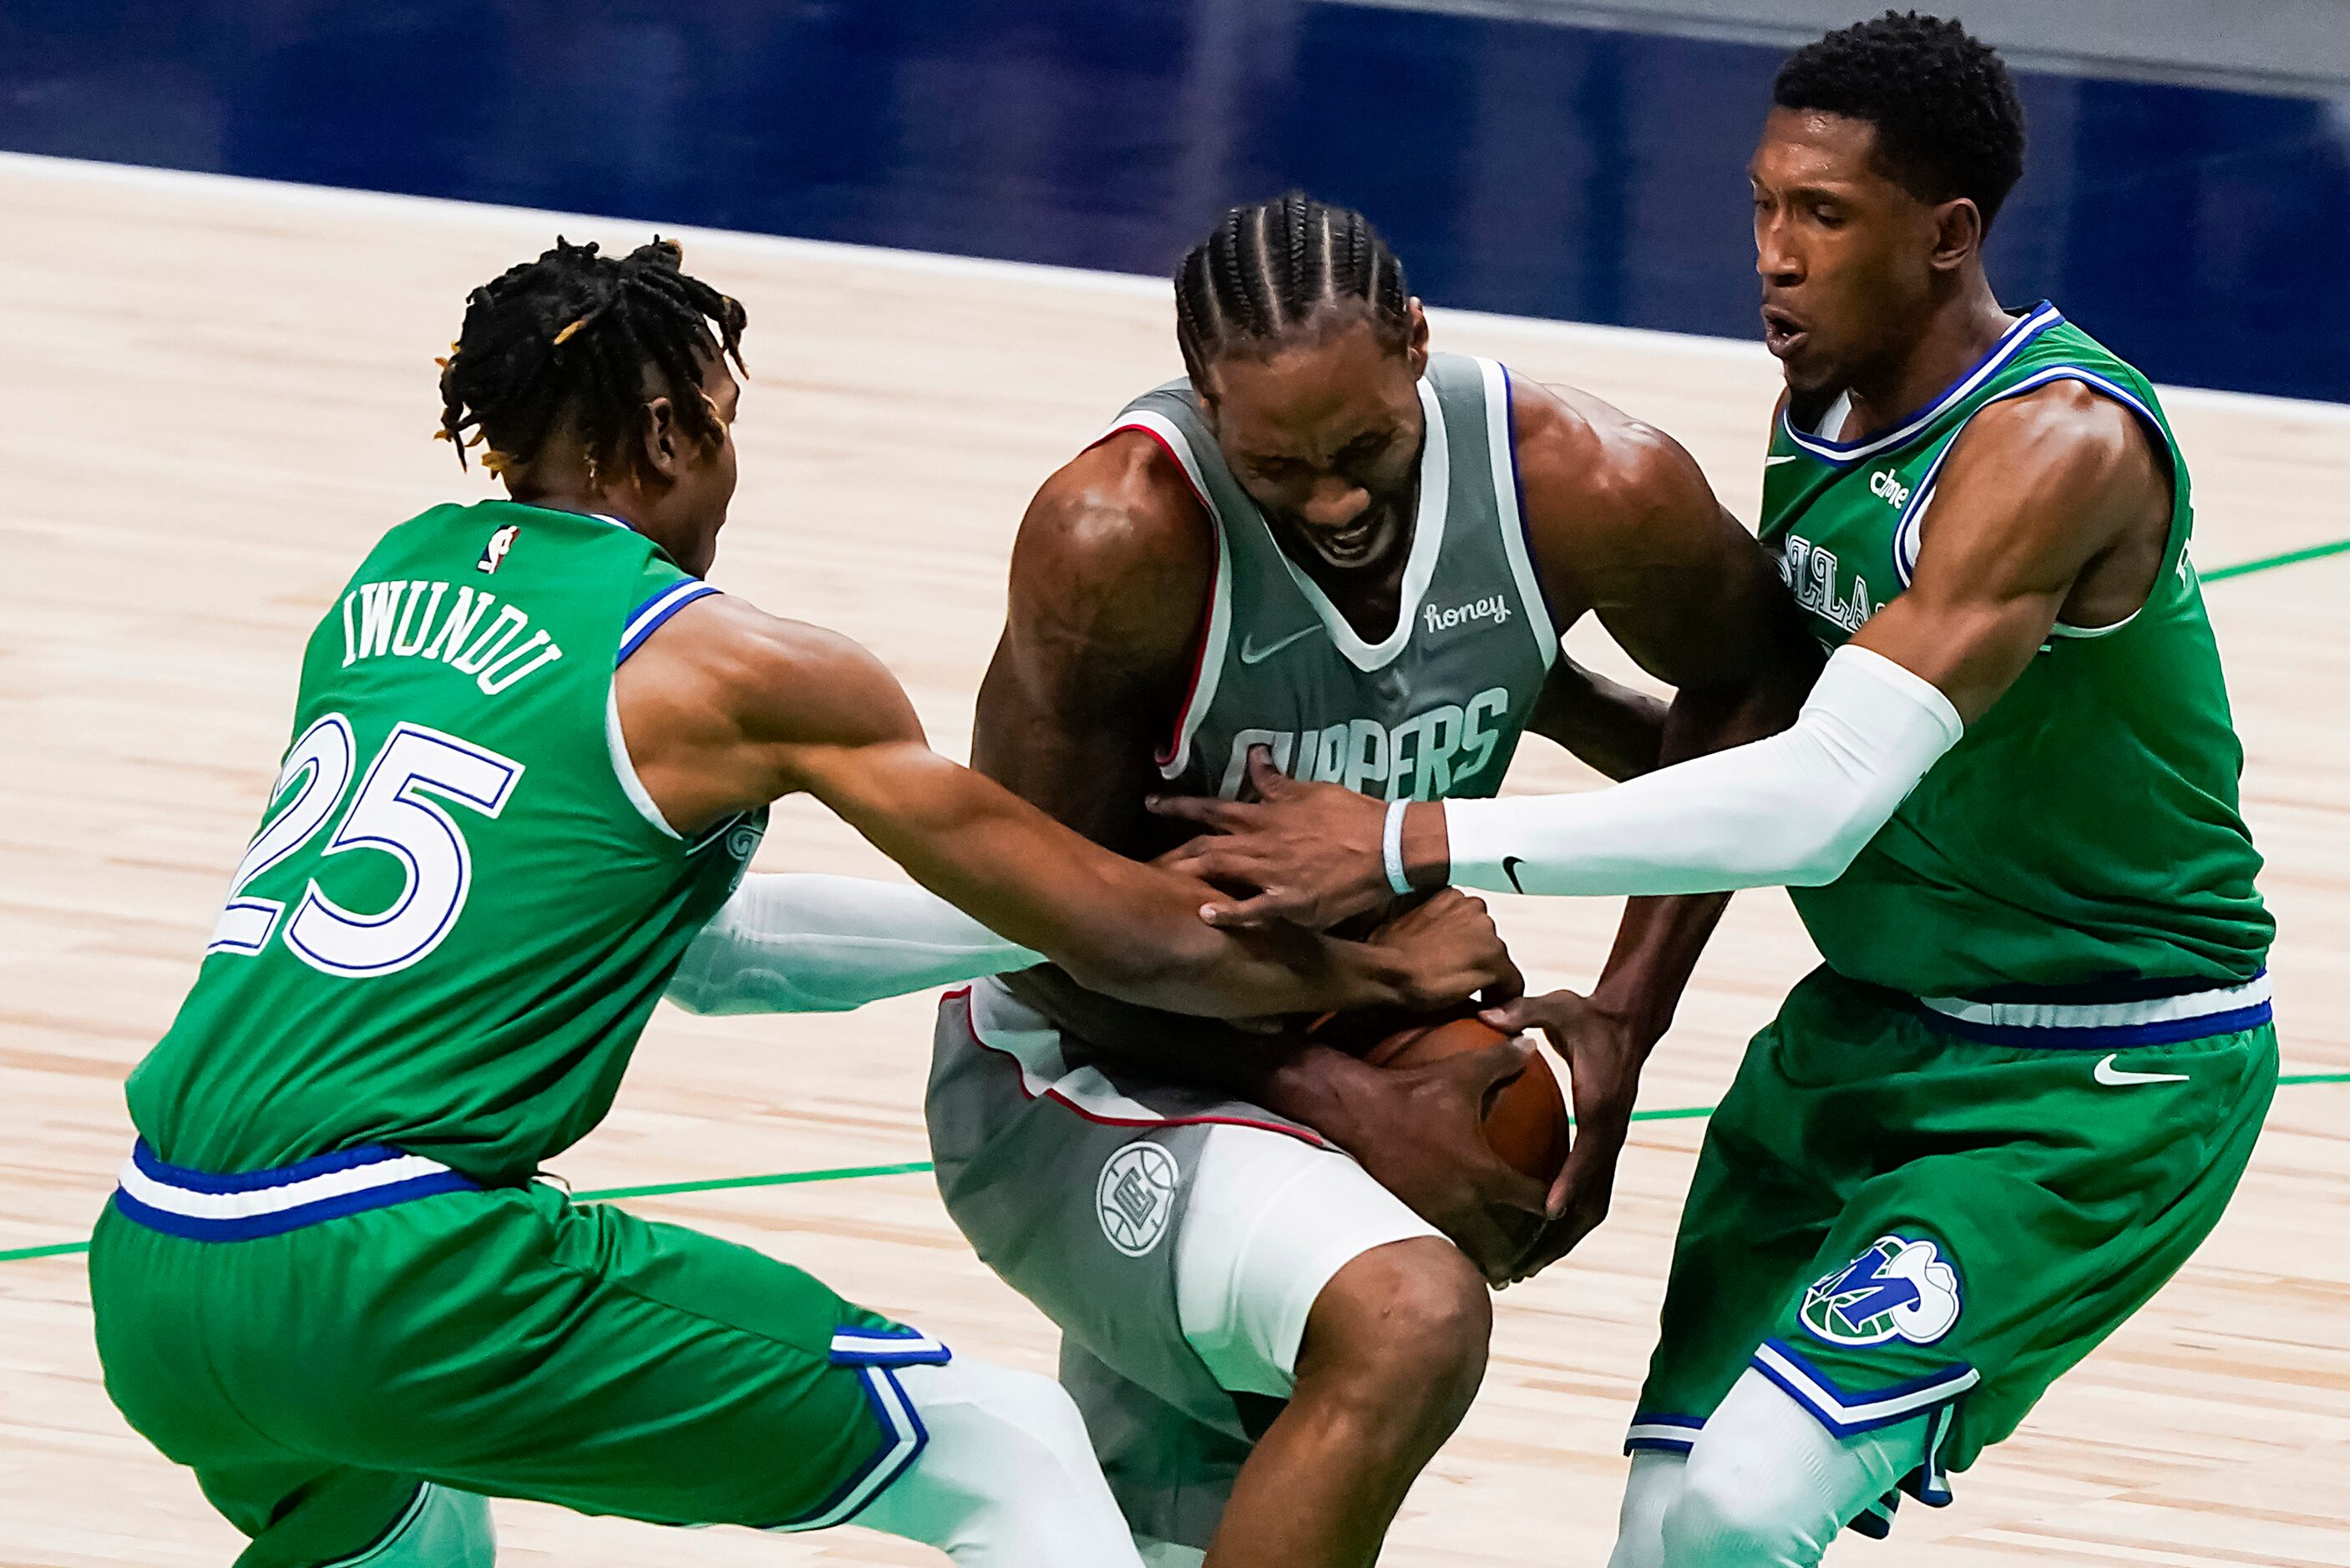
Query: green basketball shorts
x,y
315,1364
1908,1209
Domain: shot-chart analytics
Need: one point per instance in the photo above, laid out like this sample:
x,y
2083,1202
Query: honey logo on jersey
x,y
1897,1289
1493,608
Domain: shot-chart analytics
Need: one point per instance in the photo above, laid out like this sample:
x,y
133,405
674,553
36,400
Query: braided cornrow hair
x,y
1270,269
567,337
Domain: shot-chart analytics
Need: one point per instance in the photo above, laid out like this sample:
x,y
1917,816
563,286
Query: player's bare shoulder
x,y
1116,553
1599,486
2070,432
717,703
2068,491
1583,454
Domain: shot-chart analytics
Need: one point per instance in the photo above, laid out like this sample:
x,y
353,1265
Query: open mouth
x,y
1783,333
1356,545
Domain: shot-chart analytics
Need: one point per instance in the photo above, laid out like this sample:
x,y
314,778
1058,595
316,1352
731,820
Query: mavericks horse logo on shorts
x,y
1135,1196
1899,1289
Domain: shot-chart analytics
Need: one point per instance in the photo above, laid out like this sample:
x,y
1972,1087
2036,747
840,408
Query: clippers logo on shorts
x,y
1899,1289
1135,1196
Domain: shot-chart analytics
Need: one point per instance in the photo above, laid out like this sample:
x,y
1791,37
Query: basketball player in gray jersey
x,y
1331,555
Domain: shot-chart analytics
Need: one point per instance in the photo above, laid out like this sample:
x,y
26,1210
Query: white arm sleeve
x,y
1790,811
804,943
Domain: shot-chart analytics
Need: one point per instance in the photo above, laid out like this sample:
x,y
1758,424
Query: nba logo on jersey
x,y
495,550
1897,1289
1135,1196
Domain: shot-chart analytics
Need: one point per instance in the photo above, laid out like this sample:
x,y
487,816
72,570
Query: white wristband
x,y
1391,847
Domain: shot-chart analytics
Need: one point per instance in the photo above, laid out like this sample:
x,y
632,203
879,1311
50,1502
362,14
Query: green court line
x,y
917,1167
2270,563
726,1183
54,1250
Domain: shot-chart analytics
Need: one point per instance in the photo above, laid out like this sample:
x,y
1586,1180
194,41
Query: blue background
x,y
1517,166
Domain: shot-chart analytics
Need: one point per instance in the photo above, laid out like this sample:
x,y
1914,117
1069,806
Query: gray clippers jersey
x,y
1434,710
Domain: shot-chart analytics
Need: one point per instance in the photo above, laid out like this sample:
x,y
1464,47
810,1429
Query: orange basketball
x,y
1525,1118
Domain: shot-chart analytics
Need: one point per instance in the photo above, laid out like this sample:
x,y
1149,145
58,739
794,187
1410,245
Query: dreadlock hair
x,y
1270,270
1948,121
567,338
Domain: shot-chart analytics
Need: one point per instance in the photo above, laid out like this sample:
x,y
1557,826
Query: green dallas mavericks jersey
x,y
461,907
2086,829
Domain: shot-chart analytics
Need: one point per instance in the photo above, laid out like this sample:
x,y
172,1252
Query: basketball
x,y
1525,1118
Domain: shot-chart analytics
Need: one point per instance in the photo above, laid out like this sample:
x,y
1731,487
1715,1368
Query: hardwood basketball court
x,y
218,392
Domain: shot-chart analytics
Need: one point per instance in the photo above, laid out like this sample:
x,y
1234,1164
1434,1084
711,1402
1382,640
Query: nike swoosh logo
x,y
1510,864
1775,462
2113,1077
1251,654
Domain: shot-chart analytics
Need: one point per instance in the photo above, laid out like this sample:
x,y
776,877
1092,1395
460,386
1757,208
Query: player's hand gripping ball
x,y
1525,1116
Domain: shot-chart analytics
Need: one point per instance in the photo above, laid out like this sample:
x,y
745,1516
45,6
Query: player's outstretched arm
x,y
1622,519
1624,525
801,942
727,707
2051,503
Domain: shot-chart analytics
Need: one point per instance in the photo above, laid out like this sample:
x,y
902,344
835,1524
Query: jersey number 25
x,y
393,814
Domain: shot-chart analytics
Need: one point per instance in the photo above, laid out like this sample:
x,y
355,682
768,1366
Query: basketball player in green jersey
x,y
533,753
2024,1086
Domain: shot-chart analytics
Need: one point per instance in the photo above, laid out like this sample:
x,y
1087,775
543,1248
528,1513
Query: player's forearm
x,y
1791,810
1285,1073
1657,949
1610,727
1660,940
801,943
1137,937
1128,929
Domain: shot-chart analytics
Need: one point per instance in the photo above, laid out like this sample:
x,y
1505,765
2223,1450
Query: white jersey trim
x,y
1909,535
1501,442
874,1347
1220,595
2010,343
890,1406
624,768
1845,1417
1427,544
1001,1022
2102,1014
244,1205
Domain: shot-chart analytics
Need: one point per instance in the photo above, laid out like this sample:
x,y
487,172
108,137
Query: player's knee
x,y
1007,1477
1728,1514
1045,1414
1411,1321
1016,1411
